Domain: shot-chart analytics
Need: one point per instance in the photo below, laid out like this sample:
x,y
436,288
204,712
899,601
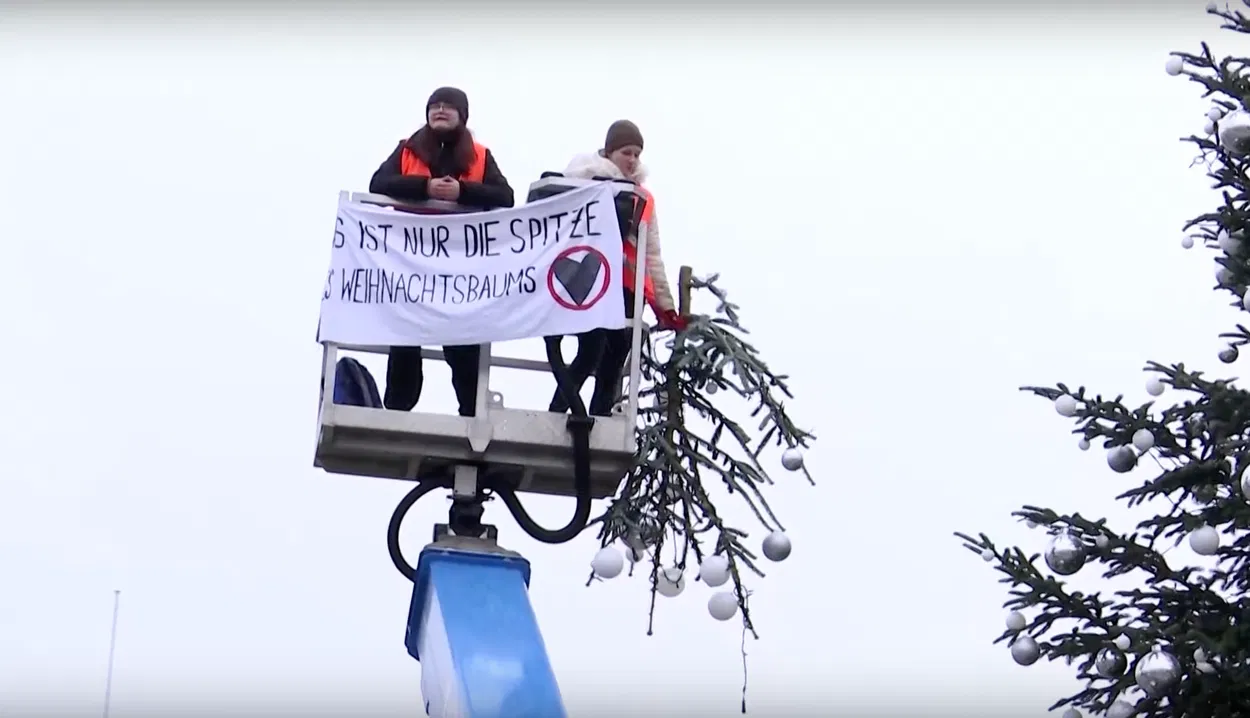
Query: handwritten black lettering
x,y
478,239
591,216
522,243
581,221
378,286
489,239
369,240
340,239
535,232
427,241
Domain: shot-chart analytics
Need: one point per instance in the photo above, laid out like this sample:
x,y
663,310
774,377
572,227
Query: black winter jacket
x,y
493,192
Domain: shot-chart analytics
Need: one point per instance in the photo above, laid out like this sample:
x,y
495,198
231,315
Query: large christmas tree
x,y
1163,638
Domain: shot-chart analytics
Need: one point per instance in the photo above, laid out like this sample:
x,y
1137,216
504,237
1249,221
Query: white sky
x,y
918,211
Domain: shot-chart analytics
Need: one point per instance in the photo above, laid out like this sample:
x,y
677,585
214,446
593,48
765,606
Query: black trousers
x,y
404,377
601,353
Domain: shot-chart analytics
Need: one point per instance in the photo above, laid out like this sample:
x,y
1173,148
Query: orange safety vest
x,y
411,164
631,254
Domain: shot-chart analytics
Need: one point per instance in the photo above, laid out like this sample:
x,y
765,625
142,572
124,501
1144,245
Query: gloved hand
x,y
670,319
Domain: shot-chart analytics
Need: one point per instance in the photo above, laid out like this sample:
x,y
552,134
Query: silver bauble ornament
x,y
1025,651
1121,709
1066,553
776,546
1122,459
792,459
1229,355
1245,484
1016,622
1158,672
1111,662
1235,132
1072,713
710,388
670,582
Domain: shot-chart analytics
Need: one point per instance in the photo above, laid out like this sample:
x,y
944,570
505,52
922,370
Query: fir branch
x,y
665,499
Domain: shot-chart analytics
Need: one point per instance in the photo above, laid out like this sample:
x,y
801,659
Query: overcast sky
x,y
917,210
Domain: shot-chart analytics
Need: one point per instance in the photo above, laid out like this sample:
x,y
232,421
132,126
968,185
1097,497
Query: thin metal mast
x,y
108,685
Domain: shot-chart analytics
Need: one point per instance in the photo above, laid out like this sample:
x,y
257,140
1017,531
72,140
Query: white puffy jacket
x,y
594,164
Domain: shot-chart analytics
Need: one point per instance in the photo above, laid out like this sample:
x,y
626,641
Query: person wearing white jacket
x,y
602,352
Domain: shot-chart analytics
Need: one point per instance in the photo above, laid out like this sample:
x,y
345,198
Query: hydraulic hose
x,y
397,518
579,425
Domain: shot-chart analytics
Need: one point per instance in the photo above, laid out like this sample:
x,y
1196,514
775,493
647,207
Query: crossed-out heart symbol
x,y
578,276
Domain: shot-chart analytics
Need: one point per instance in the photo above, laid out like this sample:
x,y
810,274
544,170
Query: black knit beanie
x,y
621,134
452,96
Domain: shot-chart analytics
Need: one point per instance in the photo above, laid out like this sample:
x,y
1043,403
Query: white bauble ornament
x,y
1101,542
714,571
1065,405
1025,651
1030,523
1211,7
1245,301
1222,275
1228,242
1208,128
722,605
670,582
1110,662
1016,621
1205,541
1143,440
1072,713
1245,484
776,546
1083,444
1187,242
1154,386
634,554
1174,65
1066,553
1121,709
1199,655
710,388
1123,642
1158,673
1215,113
1122,459
987,555
608,563
792,459
1235,132
1204,667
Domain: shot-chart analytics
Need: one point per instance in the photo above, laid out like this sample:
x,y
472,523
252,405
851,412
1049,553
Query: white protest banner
x,y
547,267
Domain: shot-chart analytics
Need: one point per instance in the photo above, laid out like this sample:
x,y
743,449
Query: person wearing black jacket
x,y
440,161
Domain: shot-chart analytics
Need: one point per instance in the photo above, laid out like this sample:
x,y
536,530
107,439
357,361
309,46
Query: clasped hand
x,y
444,188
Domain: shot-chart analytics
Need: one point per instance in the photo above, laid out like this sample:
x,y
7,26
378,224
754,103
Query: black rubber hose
x,y
579,425
397,518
